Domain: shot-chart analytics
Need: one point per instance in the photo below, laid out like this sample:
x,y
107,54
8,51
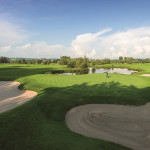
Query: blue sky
x,y
51,28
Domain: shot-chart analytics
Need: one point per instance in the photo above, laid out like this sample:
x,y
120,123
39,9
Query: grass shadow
x,y
13,73
57,101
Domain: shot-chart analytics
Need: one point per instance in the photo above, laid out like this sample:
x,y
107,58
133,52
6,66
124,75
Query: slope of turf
x,y
39,124
15,71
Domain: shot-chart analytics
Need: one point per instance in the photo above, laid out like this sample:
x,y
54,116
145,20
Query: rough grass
x,y
40,123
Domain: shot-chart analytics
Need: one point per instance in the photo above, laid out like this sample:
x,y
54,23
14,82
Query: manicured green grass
x,y
40,123
15,71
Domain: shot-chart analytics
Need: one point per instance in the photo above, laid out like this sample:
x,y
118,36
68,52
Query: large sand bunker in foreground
x,y
126,125
11,96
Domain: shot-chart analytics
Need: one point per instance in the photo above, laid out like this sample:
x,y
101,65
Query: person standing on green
x,y
107,75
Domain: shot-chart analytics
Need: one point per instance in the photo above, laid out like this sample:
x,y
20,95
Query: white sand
x,y
145,75
125,125
11,96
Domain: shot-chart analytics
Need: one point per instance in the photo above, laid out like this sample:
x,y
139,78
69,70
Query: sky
x,y
75,28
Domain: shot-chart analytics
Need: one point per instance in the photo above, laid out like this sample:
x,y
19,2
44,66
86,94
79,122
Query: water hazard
x,y
101,70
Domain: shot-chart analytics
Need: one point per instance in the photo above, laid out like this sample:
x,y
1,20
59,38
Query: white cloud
x,y
91,54
11,33
38,50
130,43
85,43
5,49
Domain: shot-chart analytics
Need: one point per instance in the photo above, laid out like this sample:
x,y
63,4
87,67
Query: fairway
x,y
40,123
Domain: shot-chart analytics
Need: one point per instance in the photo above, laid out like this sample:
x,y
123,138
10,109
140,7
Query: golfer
x,y
107,75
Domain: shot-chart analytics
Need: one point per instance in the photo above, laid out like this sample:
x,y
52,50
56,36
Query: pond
x,y
101,70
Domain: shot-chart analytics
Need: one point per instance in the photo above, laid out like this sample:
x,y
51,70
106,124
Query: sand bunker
x,y
11,96
126,125
146,75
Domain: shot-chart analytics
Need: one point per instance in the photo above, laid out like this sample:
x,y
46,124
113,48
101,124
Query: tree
x,y
44,61
71,63
85,63
93,70
78,61
120,58
64,60
4,60
23,61
128,60
93,62
38,61
48,61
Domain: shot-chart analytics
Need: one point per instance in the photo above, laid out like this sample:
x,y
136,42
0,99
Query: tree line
x,y
75,62
122,60
28,61
64,60
34,61
85,62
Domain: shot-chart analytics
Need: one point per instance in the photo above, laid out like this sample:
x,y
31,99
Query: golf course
x,y
39,124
